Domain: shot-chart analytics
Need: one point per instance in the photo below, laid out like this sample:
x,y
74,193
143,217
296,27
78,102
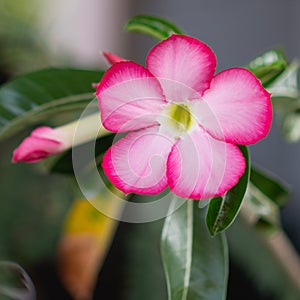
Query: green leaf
x,y
196,265
264,211
153,26
291,126
286,101
268,66
286,85
222,211
37,96
275,189
285,90
265,196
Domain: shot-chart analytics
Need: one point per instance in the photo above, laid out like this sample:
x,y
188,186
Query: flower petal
x,y
236,108
201,167
183,60
112,58
137,162
130,97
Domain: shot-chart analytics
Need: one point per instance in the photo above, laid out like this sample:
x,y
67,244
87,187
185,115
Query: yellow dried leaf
x,y
86,238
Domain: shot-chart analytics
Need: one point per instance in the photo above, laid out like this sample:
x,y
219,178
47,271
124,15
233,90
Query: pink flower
x,y
42,142
184,121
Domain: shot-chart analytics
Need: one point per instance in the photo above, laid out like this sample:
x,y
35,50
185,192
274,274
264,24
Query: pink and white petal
x,y
185,61
179,92
236,108
137,162
201,167
47,133
130,97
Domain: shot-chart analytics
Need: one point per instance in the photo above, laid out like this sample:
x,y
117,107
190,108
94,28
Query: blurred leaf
x,y
17,284
291,125
223,210
285,90
265,212
286,101
282,80
154,26
37,96
268,66
264,198
22,46
286,85
253,251
276,190
196,265
31,210
84,244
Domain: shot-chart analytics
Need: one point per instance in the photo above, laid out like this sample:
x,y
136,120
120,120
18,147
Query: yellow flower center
x,y
181,117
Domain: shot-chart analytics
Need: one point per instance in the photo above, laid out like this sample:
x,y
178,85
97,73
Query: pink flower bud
x,y
45,141
42,142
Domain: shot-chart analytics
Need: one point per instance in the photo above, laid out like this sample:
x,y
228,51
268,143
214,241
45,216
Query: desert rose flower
x,y
45,141
184,122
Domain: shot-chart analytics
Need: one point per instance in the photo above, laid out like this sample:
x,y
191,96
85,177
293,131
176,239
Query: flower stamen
x,y
181,117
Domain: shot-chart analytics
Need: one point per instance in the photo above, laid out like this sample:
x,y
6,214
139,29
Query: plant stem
x,y
280,247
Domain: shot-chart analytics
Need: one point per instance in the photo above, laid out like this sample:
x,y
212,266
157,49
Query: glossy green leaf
x,y
223,210
275,189
37,96
268,66
153,26
196,265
